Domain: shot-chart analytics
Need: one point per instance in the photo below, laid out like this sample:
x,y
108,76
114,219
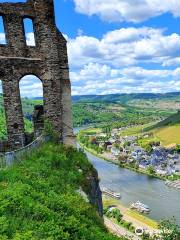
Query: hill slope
x,y
167,131
39,198
169,135
172,120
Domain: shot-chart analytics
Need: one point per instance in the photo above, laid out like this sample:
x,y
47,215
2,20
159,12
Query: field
x,y
169,135
135,130
166,131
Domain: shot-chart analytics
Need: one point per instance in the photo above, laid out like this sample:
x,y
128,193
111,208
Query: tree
x,y
151,170
170,230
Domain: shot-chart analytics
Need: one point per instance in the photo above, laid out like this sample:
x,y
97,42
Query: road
x,y
118,230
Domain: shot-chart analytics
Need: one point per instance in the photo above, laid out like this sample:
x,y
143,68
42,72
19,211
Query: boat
x,y
173,184
140,207
111,193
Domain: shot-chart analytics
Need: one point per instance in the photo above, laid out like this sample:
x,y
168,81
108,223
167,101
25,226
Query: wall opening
x,y
31,90
29,32
2,32
3,126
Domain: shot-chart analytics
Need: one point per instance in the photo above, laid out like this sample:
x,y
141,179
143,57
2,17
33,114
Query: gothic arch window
x,y
29,32
2,32
31,90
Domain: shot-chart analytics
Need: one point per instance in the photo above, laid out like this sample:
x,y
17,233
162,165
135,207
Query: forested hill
x,y
107,109
123,98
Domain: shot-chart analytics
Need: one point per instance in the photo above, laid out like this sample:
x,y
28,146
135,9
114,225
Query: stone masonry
x,y
48,61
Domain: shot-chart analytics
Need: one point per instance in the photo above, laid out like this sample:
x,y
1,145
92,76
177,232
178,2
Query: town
x,y
127,151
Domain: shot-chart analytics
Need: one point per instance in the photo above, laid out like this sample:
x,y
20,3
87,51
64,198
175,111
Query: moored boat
x,y
173,184
140,207
111,193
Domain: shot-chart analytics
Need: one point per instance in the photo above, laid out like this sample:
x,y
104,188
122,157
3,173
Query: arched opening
x,y
3,126
2,32
31,90
29,32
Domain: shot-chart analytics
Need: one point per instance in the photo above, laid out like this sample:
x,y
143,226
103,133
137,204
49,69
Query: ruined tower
x,y
47,60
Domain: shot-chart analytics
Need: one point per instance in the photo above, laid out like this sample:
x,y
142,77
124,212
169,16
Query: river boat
x,y
140,207
110,193
173,184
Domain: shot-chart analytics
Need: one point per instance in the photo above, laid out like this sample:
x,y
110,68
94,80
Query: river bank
x,y
121,165
163,201
133,186
137,219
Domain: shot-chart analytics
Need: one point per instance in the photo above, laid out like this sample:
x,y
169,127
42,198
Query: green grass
x,y
39,198
135,130
142,218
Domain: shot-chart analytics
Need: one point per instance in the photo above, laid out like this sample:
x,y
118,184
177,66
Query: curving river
x,y
163,201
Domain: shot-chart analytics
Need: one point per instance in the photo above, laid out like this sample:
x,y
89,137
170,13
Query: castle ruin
x,y
47,60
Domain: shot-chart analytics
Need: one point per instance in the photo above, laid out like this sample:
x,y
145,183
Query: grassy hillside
x,y
166,131
172,120
169,135
39,198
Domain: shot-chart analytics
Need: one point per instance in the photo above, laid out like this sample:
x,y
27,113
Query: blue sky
x,y
118,46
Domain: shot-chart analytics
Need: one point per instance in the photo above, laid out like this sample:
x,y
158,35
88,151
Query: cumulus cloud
x,y
125,47
2,38
113,64
90,80
30,39
31,86
127,10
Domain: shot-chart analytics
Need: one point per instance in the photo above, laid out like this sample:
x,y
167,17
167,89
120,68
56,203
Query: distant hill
x,y
123,98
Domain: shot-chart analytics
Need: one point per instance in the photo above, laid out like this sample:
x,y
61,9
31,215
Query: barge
x,y
110,193
173,184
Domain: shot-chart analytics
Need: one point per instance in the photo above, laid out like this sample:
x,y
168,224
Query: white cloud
x,y
31,86
125,47
102,79
30,39
112,64
127,10
2,38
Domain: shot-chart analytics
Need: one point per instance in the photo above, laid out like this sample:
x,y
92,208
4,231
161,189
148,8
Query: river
x,y
163,201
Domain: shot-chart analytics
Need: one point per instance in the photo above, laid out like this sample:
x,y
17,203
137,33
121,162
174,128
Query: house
x,y
106,144
177,169
109,147
143,166
115,151
161,172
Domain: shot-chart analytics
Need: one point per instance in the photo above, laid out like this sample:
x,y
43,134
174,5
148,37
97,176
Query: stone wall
x,y
48,61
